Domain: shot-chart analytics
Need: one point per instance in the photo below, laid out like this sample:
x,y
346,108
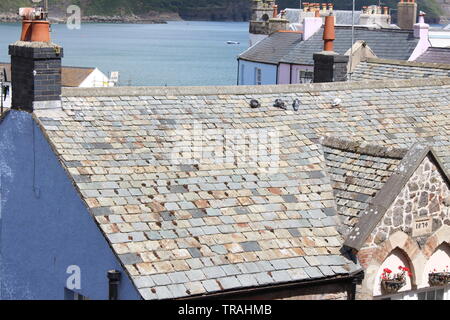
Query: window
x,y
431,295
258,76
305,76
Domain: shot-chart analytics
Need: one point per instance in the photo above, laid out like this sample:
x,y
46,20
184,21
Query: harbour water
x,y
184,53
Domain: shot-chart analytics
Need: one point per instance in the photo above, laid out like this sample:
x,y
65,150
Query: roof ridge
x,y
432,65
363,147
374,29
263,89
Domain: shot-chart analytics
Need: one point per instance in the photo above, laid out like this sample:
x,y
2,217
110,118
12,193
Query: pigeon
x,y
336,102
254,104
280,104
296,105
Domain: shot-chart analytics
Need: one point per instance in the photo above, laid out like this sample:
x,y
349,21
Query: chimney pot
x,y
40,31
329,33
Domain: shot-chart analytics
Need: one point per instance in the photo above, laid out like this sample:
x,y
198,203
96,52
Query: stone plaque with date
x,y
422,226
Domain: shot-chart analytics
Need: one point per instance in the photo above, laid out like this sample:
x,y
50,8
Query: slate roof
x,y
287,47
385,43
272,49
358,172
435,55
183,230
379,69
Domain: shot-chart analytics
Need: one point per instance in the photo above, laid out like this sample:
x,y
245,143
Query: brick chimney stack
x,y
406,14
35,65
329,66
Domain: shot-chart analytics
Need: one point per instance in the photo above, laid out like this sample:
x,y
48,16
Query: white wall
x,y
95,79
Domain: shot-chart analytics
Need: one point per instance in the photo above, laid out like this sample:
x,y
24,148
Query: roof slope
x,y
385,43
435,55
357,172
74,76
195,228
205,227
272,49
379,69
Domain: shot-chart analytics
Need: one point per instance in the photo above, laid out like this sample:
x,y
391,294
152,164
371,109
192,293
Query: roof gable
x,y
372,215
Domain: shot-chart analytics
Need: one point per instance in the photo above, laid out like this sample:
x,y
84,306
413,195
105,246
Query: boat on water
x,y
233,42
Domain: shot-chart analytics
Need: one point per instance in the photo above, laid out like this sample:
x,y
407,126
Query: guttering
x,y
353,279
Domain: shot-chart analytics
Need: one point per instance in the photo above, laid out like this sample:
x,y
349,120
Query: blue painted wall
x,y
45,227
247,73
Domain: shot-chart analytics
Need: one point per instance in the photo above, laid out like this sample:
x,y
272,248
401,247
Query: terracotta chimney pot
x,y
329,34
40,31
275,11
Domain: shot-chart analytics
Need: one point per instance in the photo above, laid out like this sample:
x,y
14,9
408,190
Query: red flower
x,y
406,269
410,274
387,270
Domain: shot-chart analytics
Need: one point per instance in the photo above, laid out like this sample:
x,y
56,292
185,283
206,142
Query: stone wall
x,y
426,195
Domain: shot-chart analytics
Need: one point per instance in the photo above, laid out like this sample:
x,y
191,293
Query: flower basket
x,y
439,278
392,285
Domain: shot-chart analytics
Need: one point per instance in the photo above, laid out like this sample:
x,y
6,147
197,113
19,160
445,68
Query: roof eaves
x,y
245,291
